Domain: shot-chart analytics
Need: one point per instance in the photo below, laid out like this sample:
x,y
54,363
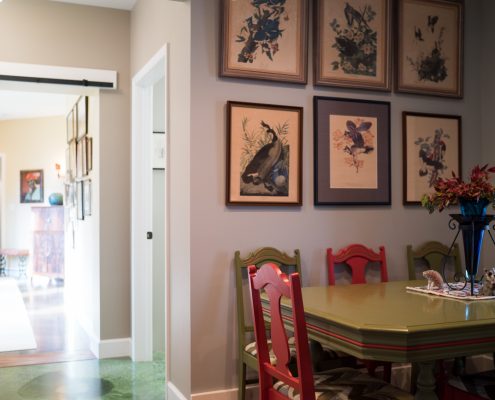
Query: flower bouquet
x,y
454,190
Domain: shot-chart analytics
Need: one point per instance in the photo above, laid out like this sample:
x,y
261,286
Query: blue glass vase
x,y
473,232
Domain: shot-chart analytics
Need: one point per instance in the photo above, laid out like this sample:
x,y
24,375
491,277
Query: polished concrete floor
x,y
85,380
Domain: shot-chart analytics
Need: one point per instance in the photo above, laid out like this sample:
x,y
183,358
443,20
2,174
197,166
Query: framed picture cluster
x,y
267,39
79,158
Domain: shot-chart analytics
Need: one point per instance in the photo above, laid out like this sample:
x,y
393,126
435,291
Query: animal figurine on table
x,y
435,280
488,287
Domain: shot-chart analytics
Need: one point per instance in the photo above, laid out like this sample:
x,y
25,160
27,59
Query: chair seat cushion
x,y
251,349
347,383
481,384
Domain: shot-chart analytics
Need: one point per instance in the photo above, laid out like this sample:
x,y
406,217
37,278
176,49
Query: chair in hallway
x,y
358,257
279,380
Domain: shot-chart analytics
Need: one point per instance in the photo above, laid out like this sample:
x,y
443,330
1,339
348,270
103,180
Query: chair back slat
x,y
258,258
357,257
276,285
435,254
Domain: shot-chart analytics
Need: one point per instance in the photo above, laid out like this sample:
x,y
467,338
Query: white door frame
x,y
3,173
141,218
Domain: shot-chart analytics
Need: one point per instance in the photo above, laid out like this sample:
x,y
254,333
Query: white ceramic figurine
x,y
435,280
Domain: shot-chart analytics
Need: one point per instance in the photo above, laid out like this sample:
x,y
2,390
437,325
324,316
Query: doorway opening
x,y
149,219
37,268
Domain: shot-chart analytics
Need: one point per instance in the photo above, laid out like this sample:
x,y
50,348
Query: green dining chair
x,y
247,345
432,255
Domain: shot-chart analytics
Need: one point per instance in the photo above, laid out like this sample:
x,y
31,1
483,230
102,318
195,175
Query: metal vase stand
x,y
473,229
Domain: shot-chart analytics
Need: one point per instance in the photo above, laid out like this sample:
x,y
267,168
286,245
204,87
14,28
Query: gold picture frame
x,y
265,41
352,44
430,47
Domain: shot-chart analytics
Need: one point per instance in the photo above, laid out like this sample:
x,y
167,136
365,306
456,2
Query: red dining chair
x,y
276,380
357,257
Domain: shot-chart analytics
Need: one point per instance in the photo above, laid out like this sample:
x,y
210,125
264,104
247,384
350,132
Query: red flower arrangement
x,y
450,191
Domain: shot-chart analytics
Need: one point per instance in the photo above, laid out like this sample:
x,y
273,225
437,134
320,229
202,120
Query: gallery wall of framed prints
x,y
411,47
79,159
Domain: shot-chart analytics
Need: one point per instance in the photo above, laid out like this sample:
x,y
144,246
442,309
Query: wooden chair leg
x,y
459,366
241,395
387,372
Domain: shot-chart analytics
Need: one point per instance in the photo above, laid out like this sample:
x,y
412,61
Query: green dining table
x,y
386,321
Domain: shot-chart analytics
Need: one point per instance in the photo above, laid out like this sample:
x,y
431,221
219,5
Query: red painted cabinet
x,y
48,245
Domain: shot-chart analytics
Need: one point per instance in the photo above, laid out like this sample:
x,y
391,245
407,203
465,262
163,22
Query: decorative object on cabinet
x,y
158,150
48,246
265,40
31,186
430,47
264,154
80,200
431,150
352,44
87,197
82,117
352,151
56,199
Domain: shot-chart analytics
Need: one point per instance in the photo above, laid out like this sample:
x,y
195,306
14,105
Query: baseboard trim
x,y
173,393
227,394
110,348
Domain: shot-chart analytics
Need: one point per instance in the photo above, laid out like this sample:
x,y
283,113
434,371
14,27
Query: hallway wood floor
x,y
57,334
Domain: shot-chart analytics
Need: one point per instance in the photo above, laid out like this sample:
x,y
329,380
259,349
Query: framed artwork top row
x,y
352,43
265,39
430,47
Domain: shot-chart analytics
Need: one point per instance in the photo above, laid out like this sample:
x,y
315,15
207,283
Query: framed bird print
x,y
265,39
352,43
264,154
430,47
432,150
351,151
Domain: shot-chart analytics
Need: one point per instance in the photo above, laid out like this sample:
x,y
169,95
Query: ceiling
x,y
120,4
18,105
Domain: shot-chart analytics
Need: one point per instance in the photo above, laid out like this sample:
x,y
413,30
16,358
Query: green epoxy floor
x,y
85,380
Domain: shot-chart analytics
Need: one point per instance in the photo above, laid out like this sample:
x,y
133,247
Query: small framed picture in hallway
x,y
31,190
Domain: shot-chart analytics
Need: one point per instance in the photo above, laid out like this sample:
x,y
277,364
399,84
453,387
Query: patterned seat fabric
x,y
251,349
481,384
347,383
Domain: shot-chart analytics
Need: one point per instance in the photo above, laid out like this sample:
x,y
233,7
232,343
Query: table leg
x,y
425,388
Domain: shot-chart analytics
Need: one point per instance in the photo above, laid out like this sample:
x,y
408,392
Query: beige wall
x,y
155,23
47,142
217,231
60,34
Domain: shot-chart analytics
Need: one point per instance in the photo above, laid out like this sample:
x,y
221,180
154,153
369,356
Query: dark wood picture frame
x,y
430,47
431,150
264,154
281,58
82,117
31,186
352,46
89,153
351,152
